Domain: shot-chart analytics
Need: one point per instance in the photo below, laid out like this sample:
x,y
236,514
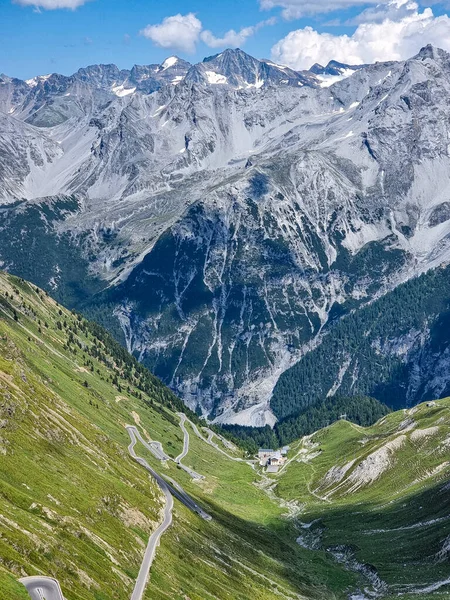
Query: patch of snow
x,y
169,62
158,110
215,78
380,81
120,91
259,83
329,80
35,80
176,80
272,64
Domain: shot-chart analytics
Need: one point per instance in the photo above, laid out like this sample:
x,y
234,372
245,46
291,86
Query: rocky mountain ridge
x,y
218,224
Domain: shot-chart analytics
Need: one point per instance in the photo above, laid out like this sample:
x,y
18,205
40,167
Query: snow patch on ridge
x,y
329,80
169,62
121,91
215,78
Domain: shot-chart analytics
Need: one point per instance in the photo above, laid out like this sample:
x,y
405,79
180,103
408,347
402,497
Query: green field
x,y
389,503
75,506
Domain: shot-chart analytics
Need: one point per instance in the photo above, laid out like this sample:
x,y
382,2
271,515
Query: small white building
x,y
272,459
276,460
264,455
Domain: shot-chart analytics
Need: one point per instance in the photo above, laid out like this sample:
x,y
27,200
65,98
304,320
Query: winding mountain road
x,y
153,541
171,490
179,458
47,588
154,447
42,588
209,441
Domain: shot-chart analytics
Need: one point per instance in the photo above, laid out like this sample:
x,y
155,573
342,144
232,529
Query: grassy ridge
x,y
74,505
399,521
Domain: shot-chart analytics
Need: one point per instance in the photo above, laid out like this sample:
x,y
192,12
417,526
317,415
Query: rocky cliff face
x,y
233,208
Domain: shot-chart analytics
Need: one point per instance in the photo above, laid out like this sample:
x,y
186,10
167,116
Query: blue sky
x,y
42,39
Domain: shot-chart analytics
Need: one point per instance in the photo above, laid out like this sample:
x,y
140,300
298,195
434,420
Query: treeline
x,y
361,410
363,351
133,371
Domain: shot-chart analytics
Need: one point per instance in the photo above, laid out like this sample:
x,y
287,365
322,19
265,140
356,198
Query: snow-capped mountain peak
x,y
237,204
169,62
239,70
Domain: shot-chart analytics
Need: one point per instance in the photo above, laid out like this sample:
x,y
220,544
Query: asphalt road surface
x,y
42,588
155,447
170,491
209,441
153,541
47,588
179,458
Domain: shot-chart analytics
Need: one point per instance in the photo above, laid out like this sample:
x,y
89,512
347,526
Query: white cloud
x,y
398,35
395,10
234,38
293,9
52,4
184,31
180,32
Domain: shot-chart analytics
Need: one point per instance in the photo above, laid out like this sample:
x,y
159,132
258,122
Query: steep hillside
x,y
353,509
220,216
377,499
73,503
395,349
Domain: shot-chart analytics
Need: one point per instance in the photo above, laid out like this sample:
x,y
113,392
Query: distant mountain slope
x,y
218,227
396,349
377,500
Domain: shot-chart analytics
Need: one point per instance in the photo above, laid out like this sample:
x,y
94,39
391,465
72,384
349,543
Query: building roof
x,y
264,451
272,469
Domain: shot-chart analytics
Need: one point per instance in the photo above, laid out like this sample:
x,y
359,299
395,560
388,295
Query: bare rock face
x,y
233,208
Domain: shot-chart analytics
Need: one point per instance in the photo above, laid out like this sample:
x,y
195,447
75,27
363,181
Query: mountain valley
x,y
354,513
221,219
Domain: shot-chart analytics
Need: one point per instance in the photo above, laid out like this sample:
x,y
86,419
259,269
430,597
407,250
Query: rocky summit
x,y
223,219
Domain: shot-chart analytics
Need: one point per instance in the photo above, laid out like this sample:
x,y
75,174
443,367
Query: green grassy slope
x,y
73,505
379,496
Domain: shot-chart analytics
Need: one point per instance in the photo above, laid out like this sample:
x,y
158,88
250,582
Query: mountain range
x,y
224,219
